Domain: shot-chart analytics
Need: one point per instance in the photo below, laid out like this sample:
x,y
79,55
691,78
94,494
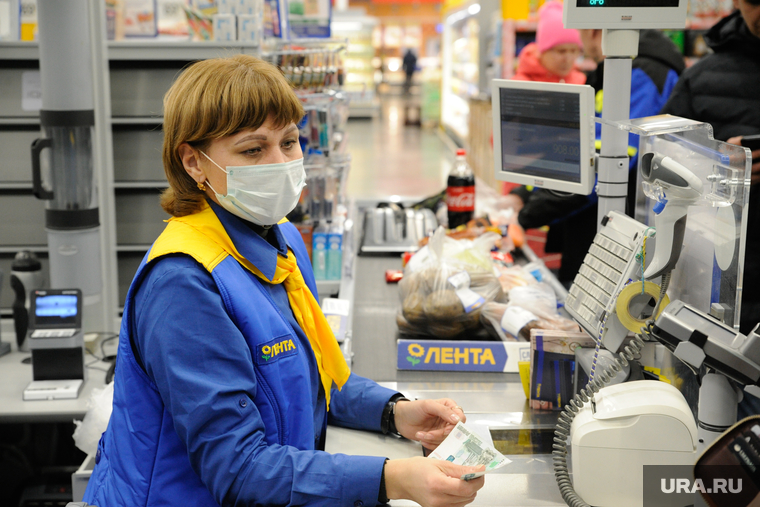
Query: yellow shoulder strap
x,y
190,235
179,237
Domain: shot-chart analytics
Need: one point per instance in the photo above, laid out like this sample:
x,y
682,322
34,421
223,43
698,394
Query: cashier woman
x,y
227,371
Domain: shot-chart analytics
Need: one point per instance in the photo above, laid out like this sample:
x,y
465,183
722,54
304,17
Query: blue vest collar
x,y
253,247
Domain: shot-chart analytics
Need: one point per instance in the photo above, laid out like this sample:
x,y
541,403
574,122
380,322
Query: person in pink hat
x,y
552,57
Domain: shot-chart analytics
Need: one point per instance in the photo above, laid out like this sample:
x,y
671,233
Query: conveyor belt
x,y
375,332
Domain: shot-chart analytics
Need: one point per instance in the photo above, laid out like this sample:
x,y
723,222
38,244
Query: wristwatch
x,y
388,420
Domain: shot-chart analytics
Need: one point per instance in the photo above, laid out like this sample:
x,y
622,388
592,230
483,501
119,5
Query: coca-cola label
x,y
460,198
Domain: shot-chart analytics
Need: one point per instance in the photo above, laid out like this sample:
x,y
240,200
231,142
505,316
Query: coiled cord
x,y
630,353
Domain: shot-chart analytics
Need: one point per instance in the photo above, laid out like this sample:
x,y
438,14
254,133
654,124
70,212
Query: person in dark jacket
x,y
409,65
723,89
571,218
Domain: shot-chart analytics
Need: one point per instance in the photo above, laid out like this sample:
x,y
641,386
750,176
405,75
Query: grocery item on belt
x,y
445,285
529,307
514,276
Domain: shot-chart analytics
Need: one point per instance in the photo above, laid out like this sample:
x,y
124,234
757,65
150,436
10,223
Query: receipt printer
x,y
55,334
627,426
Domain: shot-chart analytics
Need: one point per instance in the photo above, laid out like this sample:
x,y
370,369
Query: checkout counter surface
x,y
491,409
492,401
15,375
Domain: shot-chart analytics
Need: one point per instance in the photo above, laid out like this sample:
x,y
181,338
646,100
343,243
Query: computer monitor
x,y
543,135
625,14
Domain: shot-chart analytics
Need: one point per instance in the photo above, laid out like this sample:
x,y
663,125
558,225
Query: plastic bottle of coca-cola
x,y
460,192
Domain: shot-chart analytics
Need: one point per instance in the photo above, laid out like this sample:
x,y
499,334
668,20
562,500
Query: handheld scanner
x,y
675,188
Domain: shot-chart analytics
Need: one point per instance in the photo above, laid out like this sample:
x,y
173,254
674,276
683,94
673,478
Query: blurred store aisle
x,y
389,158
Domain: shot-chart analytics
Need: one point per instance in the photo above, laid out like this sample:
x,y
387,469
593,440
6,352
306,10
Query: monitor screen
x,y
540,134
56,309
544,135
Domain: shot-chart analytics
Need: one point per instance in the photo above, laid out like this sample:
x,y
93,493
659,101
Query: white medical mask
x,y
262,194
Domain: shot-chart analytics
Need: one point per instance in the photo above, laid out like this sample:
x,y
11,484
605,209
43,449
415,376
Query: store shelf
x,y
187,50
15,248
140,185
133,248
20,121
144,49
16,185
145,120
19,51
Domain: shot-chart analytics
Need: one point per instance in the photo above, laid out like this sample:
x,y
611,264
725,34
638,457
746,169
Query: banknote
x,y
464,447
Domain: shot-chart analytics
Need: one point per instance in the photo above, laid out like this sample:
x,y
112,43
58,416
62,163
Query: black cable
x,y
96,361
110,373
103,342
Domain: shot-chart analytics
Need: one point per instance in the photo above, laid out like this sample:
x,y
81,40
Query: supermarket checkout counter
x,y
375,303
494,403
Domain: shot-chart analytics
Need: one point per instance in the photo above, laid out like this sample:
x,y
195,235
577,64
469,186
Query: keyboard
x,y
607,267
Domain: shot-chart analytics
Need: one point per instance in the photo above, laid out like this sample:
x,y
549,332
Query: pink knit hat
x,y
550,31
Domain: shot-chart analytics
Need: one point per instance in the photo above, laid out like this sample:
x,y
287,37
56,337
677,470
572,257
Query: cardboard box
x,y
225,27
250,27
452,355
250,7
552,364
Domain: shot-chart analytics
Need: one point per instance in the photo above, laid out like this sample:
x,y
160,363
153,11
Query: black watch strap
x,y
388,419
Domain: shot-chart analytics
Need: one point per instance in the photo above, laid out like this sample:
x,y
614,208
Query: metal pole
x,y
619,48
103,162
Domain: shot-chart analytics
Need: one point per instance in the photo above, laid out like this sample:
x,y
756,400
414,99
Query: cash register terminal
x,y
57,344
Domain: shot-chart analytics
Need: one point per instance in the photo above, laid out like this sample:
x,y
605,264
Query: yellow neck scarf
x,y
332,366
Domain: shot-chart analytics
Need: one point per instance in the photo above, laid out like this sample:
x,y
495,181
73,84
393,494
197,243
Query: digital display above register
x,y
624,14
627,3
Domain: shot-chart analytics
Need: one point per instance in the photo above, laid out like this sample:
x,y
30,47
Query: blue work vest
x,y
141,460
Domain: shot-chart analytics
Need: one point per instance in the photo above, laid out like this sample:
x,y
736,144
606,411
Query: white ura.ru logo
x,y
686,486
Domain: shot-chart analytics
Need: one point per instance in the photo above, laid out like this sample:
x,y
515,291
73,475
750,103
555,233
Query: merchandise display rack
x,y
140,72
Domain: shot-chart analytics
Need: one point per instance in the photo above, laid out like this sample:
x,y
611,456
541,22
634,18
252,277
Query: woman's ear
x,y
191,161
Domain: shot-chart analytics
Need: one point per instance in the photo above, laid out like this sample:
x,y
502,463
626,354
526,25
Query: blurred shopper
x,y
410,66
552,57
722,90
573,218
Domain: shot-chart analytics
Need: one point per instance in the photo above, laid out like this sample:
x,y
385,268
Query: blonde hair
x,y
216,98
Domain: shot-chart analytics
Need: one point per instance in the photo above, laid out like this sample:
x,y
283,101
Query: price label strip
x,y
463,447
470,299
